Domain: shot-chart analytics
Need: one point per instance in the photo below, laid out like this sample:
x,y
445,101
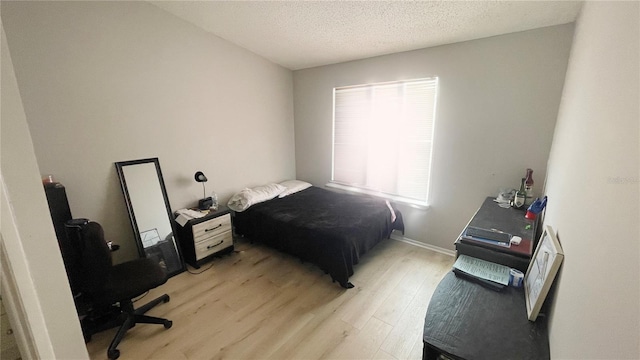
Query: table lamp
x,y
206,202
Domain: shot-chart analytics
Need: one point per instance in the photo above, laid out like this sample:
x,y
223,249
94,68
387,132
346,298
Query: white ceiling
x,y
303,34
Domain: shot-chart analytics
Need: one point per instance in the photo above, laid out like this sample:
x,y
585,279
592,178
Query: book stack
x,y
491,275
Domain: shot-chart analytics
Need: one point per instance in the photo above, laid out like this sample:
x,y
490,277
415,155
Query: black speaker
x,y
205,203
59,208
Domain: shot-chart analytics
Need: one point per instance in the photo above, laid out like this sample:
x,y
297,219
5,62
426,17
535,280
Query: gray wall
x,y
35,290
593,186
497,108
111,81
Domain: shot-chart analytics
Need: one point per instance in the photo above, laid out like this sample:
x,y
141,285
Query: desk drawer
x,y
210,228
510,260
213,244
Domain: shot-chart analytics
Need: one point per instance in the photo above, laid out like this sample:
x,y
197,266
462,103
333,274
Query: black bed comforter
x,y
329,229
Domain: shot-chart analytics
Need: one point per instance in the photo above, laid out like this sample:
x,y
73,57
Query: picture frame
x,y
542,270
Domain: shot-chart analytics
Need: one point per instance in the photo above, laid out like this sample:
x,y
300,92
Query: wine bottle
x,y
521,195
528,187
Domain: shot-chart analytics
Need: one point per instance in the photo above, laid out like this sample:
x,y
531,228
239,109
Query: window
x,y
382,138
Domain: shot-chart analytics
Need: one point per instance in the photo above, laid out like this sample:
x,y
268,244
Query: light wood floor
x,y
259,303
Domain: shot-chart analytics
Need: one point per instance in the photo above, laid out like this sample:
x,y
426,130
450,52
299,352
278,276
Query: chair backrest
x,y
96,259
71,247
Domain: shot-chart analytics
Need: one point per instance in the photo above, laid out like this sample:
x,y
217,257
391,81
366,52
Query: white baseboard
x,y
403,239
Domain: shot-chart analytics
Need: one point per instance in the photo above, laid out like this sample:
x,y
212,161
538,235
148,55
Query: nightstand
x,y
202,238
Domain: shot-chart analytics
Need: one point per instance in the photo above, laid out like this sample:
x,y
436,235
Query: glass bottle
x,y
214,203
521,195
528,187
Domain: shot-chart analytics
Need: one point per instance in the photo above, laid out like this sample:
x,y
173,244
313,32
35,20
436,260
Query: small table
x,y
205,237
491,216
468,321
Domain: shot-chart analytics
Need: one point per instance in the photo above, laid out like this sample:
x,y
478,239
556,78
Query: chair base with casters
x,y
130,317
123,316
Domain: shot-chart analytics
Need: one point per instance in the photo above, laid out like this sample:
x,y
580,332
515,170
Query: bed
x,y
332,230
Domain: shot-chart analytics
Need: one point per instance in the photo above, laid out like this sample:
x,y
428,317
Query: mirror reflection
x,y
149,211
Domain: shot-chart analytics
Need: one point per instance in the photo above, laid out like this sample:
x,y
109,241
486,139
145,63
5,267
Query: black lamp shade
x,y
199,176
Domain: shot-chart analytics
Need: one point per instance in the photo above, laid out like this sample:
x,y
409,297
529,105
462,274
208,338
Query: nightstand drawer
x,y
210,228
213,244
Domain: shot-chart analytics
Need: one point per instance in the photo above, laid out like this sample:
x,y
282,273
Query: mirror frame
x,y
134,225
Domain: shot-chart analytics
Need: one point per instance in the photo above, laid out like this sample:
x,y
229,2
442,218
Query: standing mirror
x,y
150,213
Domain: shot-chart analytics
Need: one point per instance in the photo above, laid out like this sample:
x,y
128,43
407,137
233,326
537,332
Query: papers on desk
x,y
184,215
482,269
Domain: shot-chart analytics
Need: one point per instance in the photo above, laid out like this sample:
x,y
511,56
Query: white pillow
x,y
247,197
293,186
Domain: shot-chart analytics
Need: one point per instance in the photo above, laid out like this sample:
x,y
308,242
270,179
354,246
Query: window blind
x,y
383,137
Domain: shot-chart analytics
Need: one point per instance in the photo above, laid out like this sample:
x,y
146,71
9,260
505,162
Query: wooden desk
x,y
491,216
468,321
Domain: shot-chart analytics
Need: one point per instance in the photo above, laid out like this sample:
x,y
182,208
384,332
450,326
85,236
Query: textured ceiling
x,y
303,34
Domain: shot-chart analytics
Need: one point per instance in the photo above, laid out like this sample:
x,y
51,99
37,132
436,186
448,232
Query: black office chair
x,y
110,288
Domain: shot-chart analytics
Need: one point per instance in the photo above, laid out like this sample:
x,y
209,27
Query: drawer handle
x,y
212,246
213,228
